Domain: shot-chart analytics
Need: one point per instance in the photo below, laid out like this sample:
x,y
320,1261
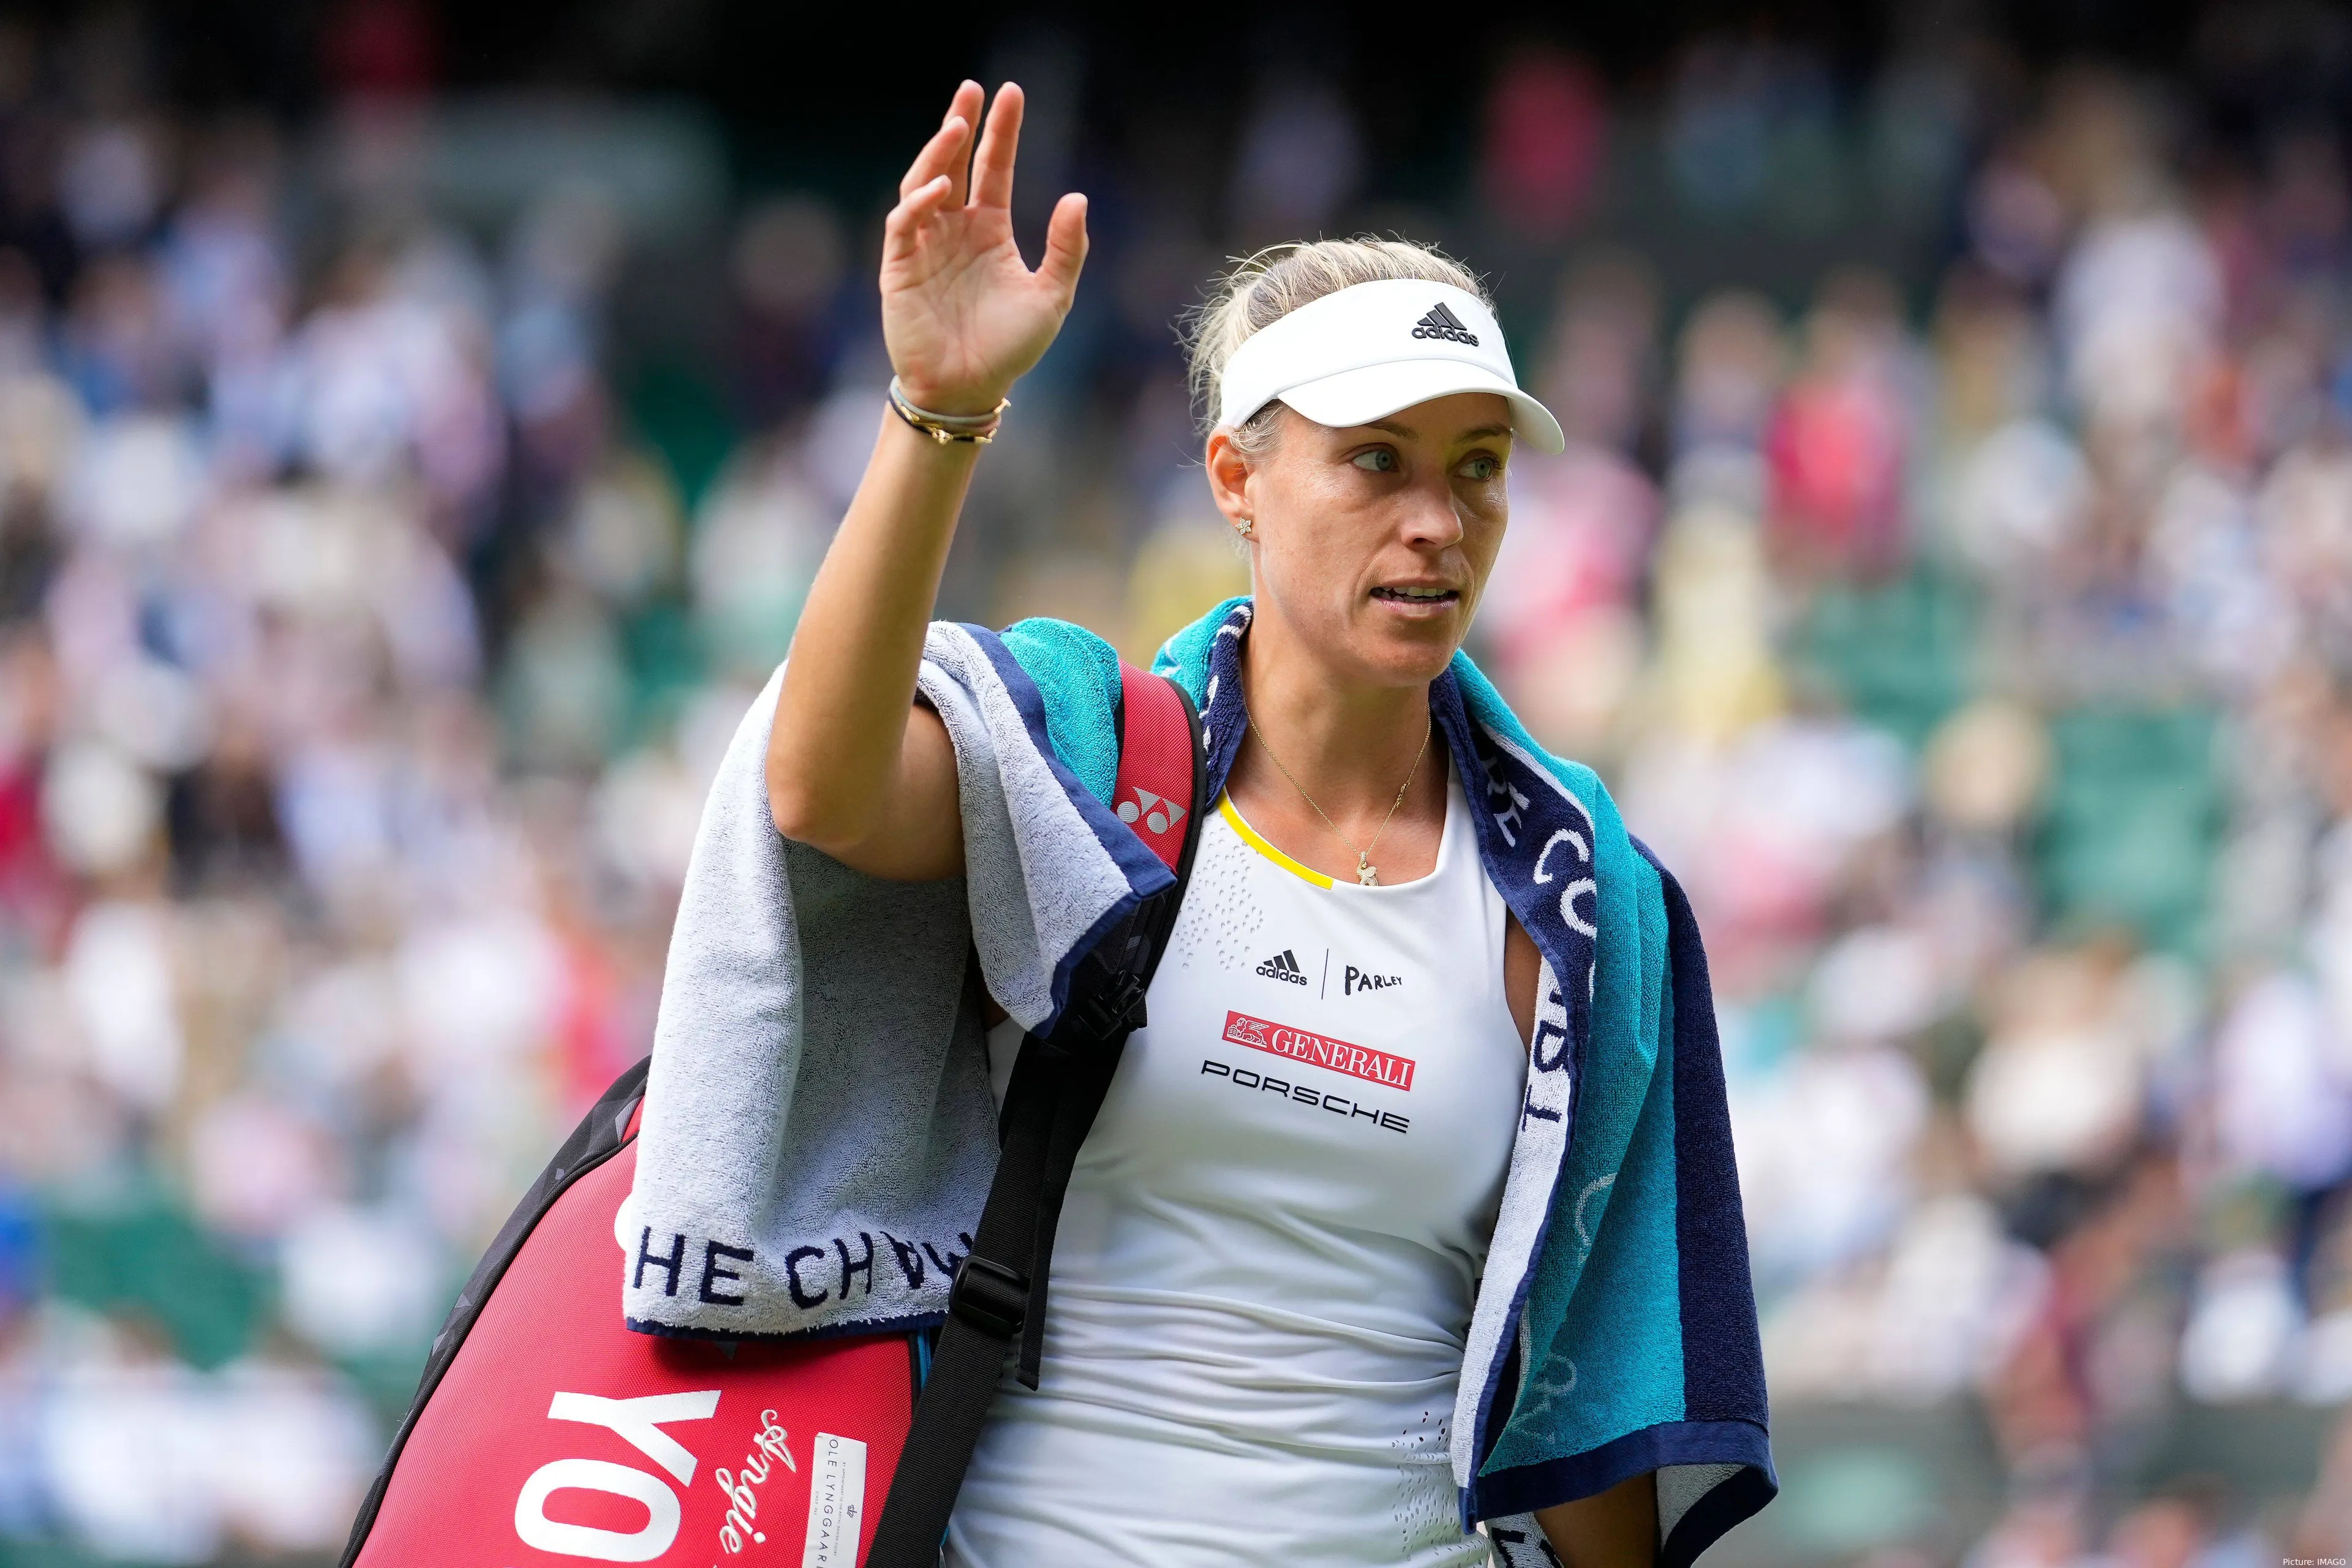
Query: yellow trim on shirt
x,y
1249,836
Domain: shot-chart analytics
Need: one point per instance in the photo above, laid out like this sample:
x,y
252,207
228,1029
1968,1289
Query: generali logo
x,y
1319,1050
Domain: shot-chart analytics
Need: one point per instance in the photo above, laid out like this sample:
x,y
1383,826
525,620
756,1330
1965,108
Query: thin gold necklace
x,y
1366,874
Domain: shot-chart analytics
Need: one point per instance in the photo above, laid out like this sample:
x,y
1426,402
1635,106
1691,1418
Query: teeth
x,y
1418,592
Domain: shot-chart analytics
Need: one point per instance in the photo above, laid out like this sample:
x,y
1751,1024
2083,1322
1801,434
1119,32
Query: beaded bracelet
x,y
968,429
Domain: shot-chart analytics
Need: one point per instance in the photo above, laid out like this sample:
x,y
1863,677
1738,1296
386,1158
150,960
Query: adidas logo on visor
x,y
1444,323
1282,965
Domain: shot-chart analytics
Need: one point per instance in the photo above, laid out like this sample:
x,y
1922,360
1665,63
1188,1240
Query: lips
x,y
1417,595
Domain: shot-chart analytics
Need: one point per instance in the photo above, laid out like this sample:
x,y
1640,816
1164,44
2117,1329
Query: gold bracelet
x,y
966,429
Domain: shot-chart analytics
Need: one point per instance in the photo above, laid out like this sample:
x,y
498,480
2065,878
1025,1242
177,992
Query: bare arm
x,y
1615,1528
1522,967
854,767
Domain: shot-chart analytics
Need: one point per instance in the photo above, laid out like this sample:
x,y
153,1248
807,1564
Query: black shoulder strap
x,y
1058,1084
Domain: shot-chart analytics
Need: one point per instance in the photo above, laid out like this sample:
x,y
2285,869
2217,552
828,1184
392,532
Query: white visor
x,y
1372,349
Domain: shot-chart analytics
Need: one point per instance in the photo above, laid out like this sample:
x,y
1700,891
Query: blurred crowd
x,y
1982,670
1972,633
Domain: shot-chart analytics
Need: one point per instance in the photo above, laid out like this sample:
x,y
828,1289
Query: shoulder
x,y
1484,707
1076,674
1619,860
1185,658
1054,651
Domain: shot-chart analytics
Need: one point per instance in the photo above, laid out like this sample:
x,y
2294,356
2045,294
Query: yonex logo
x,y
1157,812
1284,965
638,1421
1444,323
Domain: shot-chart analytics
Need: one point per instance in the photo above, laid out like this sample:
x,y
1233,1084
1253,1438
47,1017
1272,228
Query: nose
x,y
1432,516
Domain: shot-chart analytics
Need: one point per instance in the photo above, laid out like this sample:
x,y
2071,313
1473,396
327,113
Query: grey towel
x,y
818,1135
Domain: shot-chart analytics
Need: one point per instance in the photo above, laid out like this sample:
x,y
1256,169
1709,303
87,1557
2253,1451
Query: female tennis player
x,y
1260,1310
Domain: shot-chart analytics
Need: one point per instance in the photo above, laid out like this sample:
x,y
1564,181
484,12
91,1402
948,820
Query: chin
x,y
1406,656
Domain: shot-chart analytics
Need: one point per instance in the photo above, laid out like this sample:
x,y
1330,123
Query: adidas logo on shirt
x,y
1282,965
1444,323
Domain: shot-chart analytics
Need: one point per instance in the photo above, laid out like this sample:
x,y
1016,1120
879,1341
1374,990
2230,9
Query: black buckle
x,y
1115,1010
990,1297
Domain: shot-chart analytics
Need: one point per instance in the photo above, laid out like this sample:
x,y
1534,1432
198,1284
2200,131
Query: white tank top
x,y
1271,1247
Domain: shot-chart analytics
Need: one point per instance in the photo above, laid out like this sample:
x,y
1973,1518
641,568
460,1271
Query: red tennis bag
x,y
576,1440
544,1436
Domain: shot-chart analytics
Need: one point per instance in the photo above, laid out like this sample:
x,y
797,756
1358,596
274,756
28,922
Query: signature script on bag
x,y
768,1450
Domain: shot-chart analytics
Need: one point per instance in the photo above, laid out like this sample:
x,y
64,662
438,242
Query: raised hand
x,y
962,316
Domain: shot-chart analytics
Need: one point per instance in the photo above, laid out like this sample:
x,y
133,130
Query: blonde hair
x,y
1261,289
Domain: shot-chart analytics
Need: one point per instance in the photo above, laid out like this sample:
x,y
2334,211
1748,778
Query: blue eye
x,y
1485,465
1378,460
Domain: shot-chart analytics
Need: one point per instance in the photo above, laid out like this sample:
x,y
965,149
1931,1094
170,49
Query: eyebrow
x,y
1407,433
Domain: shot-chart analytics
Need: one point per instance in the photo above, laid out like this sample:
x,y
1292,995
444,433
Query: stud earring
x,y
1243,527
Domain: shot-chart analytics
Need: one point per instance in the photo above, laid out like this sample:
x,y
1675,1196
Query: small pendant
x,y
1366,874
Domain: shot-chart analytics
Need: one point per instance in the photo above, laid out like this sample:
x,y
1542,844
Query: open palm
x,y
962,316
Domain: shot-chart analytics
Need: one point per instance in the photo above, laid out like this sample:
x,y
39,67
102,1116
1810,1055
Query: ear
x,y
1229,476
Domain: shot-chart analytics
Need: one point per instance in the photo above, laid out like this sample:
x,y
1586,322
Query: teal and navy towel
x,y
819,1133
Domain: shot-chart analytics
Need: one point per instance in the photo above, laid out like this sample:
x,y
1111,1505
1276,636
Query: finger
x,y
969,100
992,167
899,230
950,147
1066,248
942,155
926,199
